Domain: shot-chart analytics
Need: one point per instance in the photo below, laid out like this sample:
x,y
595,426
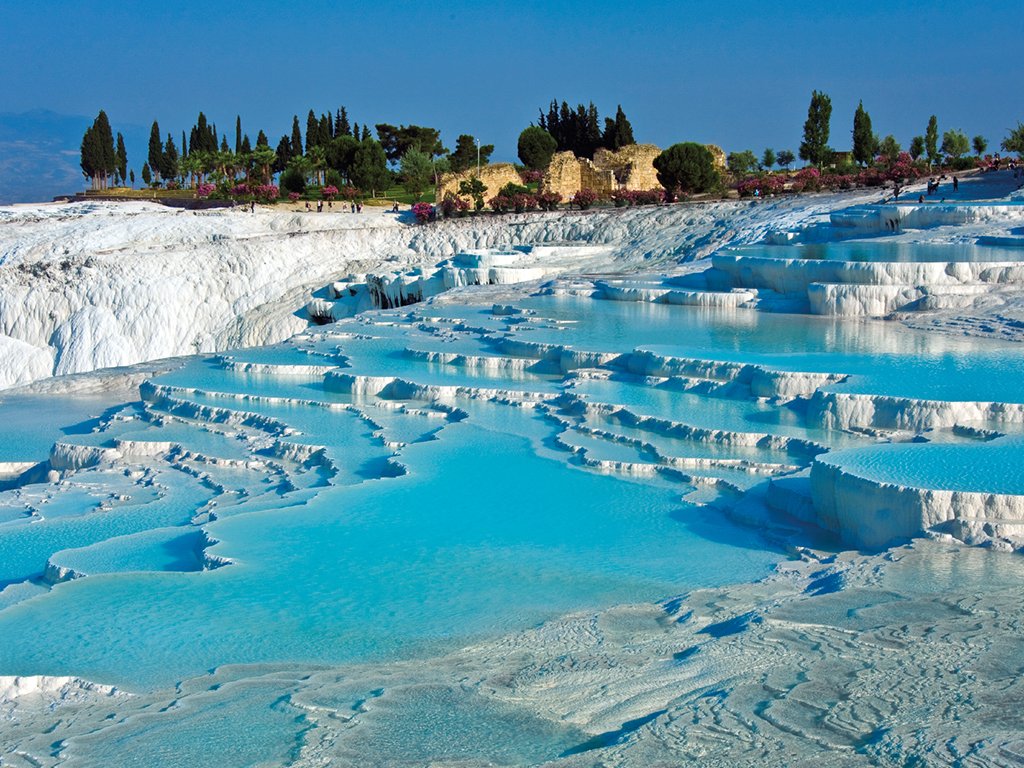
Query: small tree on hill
x,y
475,189
890,149
536,146
156,148
687,167
618,132
768,158
931,140
814,148
369,166
465,155
955,144
917,147
864,141
147,175
785,158
980,145
741,163
416,172
1014,141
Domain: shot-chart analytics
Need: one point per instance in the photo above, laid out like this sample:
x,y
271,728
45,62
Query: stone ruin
x,y
494,177
631,167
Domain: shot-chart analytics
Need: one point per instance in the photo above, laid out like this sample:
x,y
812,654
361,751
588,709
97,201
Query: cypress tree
x,y
105,140
366,133
89,152
931,140
147,176
156,148
184,145
863,137
312,131
342,127
324,131
814,148
592,131
284,154
224,144
246,145
238,134
261,140
296,147
169,160
355,131
122,158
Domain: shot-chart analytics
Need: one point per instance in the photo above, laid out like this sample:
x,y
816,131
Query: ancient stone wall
x,y
632,167
493,176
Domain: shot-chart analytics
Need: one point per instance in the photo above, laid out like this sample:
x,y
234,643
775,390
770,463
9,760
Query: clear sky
x,y
734,73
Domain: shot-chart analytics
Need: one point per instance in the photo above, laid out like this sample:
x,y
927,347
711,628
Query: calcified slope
x,y
88,285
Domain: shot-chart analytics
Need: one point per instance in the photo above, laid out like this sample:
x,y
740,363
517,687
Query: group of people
x,y
356,207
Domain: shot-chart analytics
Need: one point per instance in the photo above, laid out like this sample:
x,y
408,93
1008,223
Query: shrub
x,y
548,201
294,196
330,191
240,190
648,196
687,167
453,205
585,198
623,198
266,193
807,180
531,177
536,146
205,190
511,189
350,193
423,212
293,180
769,184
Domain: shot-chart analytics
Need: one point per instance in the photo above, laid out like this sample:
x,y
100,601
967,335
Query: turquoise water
x,y
882,250
300,528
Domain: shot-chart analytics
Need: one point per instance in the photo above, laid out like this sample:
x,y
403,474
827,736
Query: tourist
x,y
920,198
308,208
956,184
252,206
394,208
353,207
359,207
319,206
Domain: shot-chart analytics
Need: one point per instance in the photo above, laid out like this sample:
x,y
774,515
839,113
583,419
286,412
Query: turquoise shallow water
x,y
302,527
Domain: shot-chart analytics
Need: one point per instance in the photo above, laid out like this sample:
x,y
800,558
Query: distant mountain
x,y
39,154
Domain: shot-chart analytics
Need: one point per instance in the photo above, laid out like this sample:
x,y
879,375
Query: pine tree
x,y
238,134
156,148
366,134
296,146
592,131
284,154
224,145
618,132
261,140
246,147
324,131
864,148
122,158
814,148
184,145
931,140
355,131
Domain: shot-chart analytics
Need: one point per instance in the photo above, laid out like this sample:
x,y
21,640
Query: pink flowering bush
x,y
294,196
768,184
548,201
205,190
807,180
265,193
240,190
585,198
349,192
329,192
531,177
453,205
623,198
423,212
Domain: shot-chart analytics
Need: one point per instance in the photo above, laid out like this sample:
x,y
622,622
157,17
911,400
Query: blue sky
x,y
738,74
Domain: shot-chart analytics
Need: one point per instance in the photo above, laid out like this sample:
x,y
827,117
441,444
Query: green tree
x,y
284,154
475,189
889,148
91,157
741,163
261,140
317,156
687,168
785,158
768,158
814,148
931,140
341,152
864,141
397,140
131,176
156,148
122,158
917,147
417,172
369,166
341,125
169,160
296,143
238,134
312,131
263,158
955,143
980,145
147,176
536,146
617,132
1014,141
465,155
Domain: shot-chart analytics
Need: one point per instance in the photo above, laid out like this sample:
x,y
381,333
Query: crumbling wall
x,y
493,176
631,167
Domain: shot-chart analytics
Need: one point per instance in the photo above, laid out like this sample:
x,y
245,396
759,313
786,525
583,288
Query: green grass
x,y
399,194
